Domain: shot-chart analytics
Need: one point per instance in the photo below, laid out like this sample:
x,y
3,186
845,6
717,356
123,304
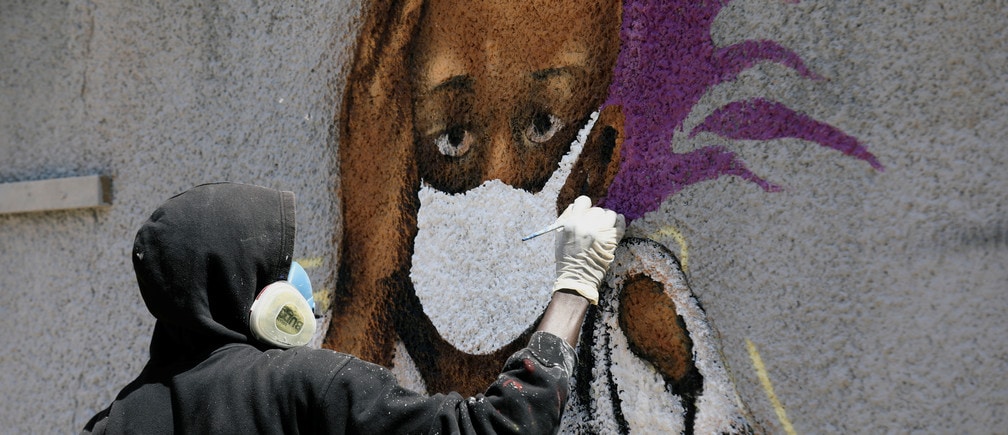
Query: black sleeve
x,y
528,397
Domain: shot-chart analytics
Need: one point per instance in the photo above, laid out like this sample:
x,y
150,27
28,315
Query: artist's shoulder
x,y
300,362
310,357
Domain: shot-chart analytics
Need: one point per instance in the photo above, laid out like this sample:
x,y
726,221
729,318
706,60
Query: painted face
x,y
481,286
501,91
501,88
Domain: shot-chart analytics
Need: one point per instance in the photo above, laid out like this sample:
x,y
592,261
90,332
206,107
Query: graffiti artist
x,y
214,266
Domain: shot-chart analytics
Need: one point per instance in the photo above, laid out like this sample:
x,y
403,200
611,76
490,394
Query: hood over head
x,y
201,259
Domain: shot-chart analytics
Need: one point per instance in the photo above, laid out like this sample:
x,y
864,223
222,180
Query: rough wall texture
x,y
874,300
161,96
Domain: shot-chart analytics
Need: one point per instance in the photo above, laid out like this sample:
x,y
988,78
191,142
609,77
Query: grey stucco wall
x,y
161,96
876,299
880,296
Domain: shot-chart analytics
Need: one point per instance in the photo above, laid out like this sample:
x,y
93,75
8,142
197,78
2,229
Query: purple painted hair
x,y
667,61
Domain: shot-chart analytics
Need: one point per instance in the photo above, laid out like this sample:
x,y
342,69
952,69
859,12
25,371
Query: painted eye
x,y
454,142
543,127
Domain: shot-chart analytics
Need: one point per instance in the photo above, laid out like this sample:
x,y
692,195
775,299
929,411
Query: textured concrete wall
x,y
161,96
875,300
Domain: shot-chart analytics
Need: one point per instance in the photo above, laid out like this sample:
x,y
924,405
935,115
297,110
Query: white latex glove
x,y
585,247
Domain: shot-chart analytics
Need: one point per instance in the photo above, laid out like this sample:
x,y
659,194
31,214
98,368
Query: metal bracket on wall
x,y
88,191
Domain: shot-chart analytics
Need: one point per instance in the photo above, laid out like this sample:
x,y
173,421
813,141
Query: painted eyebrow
x,y
461,82
548,73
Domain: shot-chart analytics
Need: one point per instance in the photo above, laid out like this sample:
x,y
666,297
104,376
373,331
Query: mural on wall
x,y
468,124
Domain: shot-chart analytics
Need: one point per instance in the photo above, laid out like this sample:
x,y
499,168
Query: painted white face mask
x,y
479,283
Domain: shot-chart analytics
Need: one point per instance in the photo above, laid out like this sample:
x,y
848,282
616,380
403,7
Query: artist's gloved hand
x,y
585,247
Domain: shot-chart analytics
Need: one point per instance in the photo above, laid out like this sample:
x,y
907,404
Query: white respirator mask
x,y
463,245
283,313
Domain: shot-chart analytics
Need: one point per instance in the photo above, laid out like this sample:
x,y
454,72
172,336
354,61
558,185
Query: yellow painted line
x,y
679,238
764,378
323,296
309,262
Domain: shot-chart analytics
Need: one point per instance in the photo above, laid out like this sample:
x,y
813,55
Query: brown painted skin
x,y
496,79
457,92
643,307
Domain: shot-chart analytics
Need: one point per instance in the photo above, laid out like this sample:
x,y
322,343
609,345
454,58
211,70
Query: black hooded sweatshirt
x,y
200,261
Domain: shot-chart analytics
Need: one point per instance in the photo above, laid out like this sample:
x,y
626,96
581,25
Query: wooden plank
x,y
56,194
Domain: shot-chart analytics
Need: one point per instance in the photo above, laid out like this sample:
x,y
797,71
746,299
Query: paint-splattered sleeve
x,y
528,397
